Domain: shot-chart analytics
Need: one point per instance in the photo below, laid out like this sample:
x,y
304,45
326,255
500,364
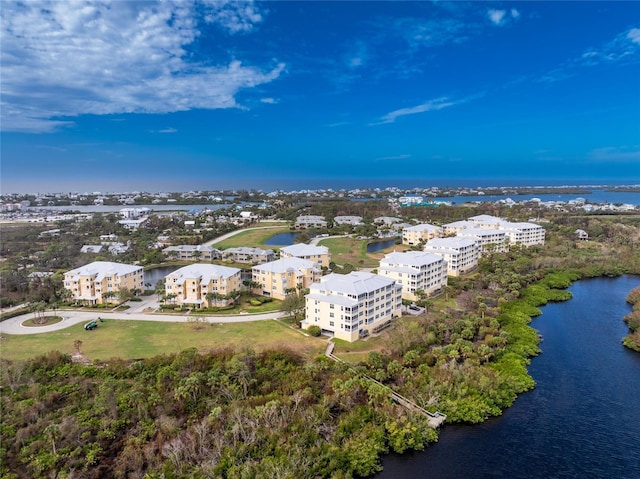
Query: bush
x,y
314,331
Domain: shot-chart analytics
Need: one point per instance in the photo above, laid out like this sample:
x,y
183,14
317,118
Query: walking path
x,y
70,318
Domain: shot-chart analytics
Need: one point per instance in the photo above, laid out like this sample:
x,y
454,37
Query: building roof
x,y
423,227
449,243
460,224
480,232
203,271
355,283
284,265
302,249
249,250
487,219
190,247
333,298
410,258
100,269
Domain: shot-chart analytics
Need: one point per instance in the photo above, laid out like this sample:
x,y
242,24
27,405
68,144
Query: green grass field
x,y
141,339
252,238
350,250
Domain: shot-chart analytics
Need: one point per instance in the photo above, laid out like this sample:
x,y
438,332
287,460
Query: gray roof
x,y
285,264
302,249
356,283
206,272
100,269
411,258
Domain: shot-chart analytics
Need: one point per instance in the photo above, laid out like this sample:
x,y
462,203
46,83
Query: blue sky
x,y
122,96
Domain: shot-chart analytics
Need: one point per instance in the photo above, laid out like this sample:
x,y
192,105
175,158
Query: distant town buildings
x,y
348,220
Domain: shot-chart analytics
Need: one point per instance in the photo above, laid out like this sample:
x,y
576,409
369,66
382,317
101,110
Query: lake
x,y
581,421
154,275
282,239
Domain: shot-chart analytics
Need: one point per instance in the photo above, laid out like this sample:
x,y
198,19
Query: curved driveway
x,y
70,318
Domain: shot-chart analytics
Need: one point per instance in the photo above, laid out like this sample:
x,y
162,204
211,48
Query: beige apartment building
x,y
487,239
245,254
101,281
192,252
352,305
191,284
413,235
461,254
318,254
415,271
526,234
277,277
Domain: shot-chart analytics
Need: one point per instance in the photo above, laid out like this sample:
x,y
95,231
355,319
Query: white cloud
x,y
431,105
496,16
63,59
168,130
634,35
270,101
395,157
620,154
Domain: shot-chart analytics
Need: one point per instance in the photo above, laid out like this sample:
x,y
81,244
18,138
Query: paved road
x,y
70,318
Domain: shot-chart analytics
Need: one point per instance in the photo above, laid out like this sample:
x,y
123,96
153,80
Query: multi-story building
x,y
452,229
486,221
277,278
348,220
311,221
413,235
461,254
352,305
487,239
191,252
191,284
526,234
318,254
101,281
415,271
245,254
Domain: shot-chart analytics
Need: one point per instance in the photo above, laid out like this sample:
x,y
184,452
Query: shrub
x,y
314,331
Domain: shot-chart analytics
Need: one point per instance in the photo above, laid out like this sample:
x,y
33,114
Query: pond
x,y
154,275
380,245
282,239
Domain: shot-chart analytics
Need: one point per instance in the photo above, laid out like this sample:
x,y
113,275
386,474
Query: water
x,y
380,245
581,421
117,208
154,275
282,239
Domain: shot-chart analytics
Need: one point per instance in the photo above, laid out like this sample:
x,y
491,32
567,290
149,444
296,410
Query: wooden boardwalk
x,y
435,420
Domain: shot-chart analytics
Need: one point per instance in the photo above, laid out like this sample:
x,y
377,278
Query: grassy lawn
x,y
350,250
245,307
358,350
140,339
252,238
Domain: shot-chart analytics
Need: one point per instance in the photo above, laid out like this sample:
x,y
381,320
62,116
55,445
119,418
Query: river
x,y
581,421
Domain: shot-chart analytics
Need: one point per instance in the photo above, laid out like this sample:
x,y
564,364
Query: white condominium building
x,y
99,282
245,254
415,271
487,239
451,229
413,235
526,234
276,278
486,221
353,305
348,220
461,254
317,254
191,284
311,221
195,252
